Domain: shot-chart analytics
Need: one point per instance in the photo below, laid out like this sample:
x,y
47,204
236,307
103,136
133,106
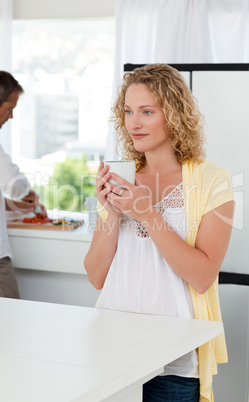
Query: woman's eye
x,y
147,111
127,111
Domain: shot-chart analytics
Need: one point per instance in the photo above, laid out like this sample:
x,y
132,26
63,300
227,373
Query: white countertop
x,y
80,234
50,250
51,352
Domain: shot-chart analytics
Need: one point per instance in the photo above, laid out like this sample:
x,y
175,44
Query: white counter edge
x,y
74,235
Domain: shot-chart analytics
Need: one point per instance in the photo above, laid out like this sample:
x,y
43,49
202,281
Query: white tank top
x,y
140,280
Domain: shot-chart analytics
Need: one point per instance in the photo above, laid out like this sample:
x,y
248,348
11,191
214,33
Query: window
x,y
66,70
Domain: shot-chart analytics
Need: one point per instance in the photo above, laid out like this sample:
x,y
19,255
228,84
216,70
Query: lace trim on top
x,y
173,200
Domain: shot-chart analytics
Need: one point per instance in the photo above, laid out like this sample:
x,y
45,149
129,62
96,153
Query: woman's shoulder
x,y
206,167
213,182
205,174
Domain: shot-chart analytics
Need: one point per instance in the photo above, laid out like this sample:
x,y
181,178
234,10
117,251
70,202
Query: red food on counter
x,y
37,219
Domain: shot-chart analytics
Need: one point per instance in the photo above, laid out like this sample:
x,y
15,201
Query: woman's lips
x,y
139,135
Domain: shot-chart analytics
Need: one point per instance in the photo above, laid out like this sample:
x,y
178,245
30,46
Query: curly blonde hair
x,y
183,119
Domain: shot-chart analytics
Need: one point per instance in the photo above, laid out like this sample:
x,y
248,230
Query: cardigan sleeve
x,y
217,187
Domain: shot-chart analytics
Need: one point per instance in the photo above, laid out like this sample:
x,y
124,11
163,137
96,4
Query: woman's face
x,y
144,121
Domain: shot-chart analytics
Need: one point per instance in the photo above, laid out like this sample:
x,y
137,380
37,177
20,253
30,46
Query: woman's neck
x,y
161,161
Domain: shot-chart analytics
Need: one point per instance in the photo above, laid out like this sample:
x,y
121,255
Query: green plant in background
x,y
69,186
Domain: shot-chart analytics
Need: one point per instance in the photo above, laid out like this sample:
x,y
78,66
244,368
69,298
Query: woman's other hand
x,y
133,200
104,188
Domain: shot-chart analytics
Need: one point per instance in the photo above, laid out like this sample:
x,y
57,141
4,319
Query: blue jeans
x,y
171,388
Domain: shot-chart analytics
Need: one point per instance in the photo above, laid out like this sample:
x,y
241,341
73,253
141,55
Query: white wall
x,y
46,9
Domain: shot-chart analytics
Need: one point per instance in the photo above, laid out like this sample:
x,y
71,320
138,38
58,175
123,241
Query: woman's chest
x,y
159,185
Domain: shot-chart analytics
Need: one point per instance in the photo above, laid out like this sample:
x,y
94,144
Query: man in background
x,y
13,184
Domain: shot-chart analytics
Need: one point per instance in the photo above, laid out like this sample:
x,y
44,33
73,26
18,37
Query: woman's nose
x,y
136,121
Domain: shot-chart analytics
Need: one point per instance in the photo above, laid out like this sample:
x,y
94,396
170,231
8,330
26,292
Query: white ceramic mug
x,y
125,169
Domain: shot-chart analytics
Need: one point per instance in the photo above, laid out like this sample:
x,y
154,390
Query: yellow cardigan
x,y
205,187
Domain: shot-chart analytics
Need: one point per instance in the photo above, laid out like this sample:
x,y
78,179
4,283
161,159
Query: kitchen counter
x,y
52,352
47,250
49,265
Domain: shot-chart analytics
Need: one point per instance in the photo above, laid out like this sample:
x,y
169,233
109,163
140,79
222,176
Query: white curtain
x,y
5,59
178,31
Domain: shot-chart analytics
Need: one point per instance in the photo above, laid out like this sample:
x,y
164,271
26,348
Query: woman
x,y
159,244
